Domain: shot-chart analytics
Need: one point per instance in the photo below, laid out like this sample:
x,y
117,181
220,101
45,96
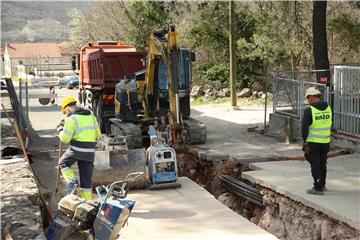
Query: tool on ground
x,y
102,220
58,172
38,183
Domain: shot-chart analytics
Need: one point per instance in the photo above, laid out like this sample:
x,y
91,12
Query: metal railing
x,y
347,100
288,97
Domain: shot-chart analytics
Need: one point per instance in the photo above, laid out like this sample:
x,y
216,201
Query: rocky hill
x,y
36,21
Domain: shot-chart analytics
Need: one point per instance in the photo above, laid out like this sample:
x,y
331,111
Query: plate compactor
x,y
161,167
101,220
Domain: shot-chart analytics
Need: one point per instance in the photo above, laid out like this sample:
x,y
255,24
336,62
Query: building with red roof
x,y
39,58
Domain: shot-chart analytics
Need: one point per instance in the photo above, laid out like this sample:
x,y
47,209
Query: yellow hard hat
x,y
66,102
311,91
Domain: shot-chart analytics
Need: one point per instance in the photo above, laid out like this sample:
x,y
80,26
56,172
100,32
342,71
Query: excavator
x,y
152,111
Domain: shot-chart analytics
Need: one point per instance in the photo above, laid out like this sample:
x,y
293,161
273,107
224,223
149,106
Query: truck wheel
x,y
100,115
80,97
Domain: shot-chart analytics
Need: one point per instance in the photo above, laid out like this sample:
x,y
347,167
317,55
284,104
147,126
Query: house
x,y
39,58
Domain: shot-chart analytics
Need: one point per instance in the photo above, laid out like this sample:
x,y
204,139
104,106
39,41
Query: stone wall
x,y
20,212
288,219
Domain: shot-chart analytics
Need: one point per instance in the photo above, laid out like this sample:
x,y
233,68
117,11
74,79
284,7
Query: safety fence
x,y
346,83
288,97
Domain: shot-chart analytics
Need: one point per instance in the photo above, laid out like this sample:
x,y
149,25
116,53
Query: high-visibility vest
x,y
81,131
320,129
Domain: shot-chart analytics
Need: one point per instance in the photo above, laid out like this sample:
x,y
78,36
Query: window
x,y
21,62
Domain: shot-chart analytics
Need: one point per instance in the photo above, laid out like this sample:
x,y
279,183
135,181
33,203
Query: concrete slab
x,y
293,178
228,135
189,212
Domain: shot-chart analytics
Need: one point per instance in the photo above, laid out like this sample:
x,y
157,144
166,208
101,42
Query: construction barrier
x,y
347,100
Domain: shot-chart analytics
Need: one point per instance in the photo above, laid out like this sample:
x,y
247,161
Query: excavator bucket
x,y
112,165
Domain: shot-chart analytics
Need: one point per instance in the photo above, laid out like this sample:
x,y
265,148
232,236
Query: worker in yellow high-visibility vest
x,y
316,132
81,130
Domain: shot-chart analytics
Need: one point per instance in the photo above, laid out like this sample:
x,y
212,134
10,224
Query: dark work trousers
x,y
318,160
85,169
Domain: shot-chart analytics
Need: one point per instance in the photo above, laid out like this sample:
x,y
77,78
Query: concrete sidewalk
x,y
189,212
229,138
293,178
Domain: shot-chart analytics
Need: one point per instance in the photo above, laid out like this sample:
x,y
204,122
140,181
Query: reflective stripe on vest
x,y
82,146
320,129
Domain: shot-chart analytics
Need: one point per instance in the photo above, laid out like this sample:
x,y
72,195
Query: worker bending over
x,y
81,130
316,132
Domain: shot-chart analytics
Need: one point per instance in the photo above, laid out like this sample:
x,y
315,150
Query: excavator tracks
x,y
196,131
131,131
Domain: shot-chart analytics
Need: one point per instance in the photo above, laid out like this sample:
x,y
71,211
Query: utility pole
x,y
232,56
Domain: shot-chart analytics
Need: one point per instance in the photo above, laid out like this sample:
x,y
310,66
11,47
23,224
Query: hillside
x,y
36,21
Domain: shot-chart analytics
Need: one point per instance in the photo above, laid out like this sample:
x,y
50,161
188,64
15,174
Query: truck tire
x,y
99,113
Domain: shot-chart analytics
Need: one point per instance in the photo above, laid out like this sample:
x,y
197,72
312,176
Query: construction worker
x,y
316,131
81,130
51,91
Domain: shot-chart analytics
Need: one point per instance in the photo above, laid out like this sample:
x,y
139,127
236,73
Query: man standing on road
x,y
316,131
52,91
81,130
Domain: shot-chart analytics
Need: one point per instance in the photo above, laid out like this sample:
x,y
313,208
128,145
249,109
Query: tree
x,y
320,51
344,32
144,17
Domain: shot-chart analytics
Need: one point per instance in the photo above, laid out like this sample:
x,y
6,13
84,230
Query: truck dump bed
x,y
104,66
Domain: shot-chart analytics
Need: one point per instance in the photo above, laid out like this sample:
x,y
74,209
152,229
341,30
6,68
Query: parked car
x,y
69,82
63,82
73,82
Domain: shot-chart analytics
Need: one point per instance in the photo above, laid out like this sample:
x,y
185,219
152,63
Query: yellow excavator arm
x,y
162,46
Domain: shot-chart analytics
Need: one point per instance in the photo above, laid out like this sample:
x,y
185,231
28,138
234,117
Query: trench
x,y
278,215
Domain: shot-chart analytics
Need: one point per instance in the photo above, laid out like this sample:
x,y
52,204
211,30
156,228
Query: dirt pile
x,y
20,213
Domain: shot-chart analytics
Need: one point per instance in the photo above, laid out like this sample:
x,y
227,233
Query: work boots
x,y
71,186
314,191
